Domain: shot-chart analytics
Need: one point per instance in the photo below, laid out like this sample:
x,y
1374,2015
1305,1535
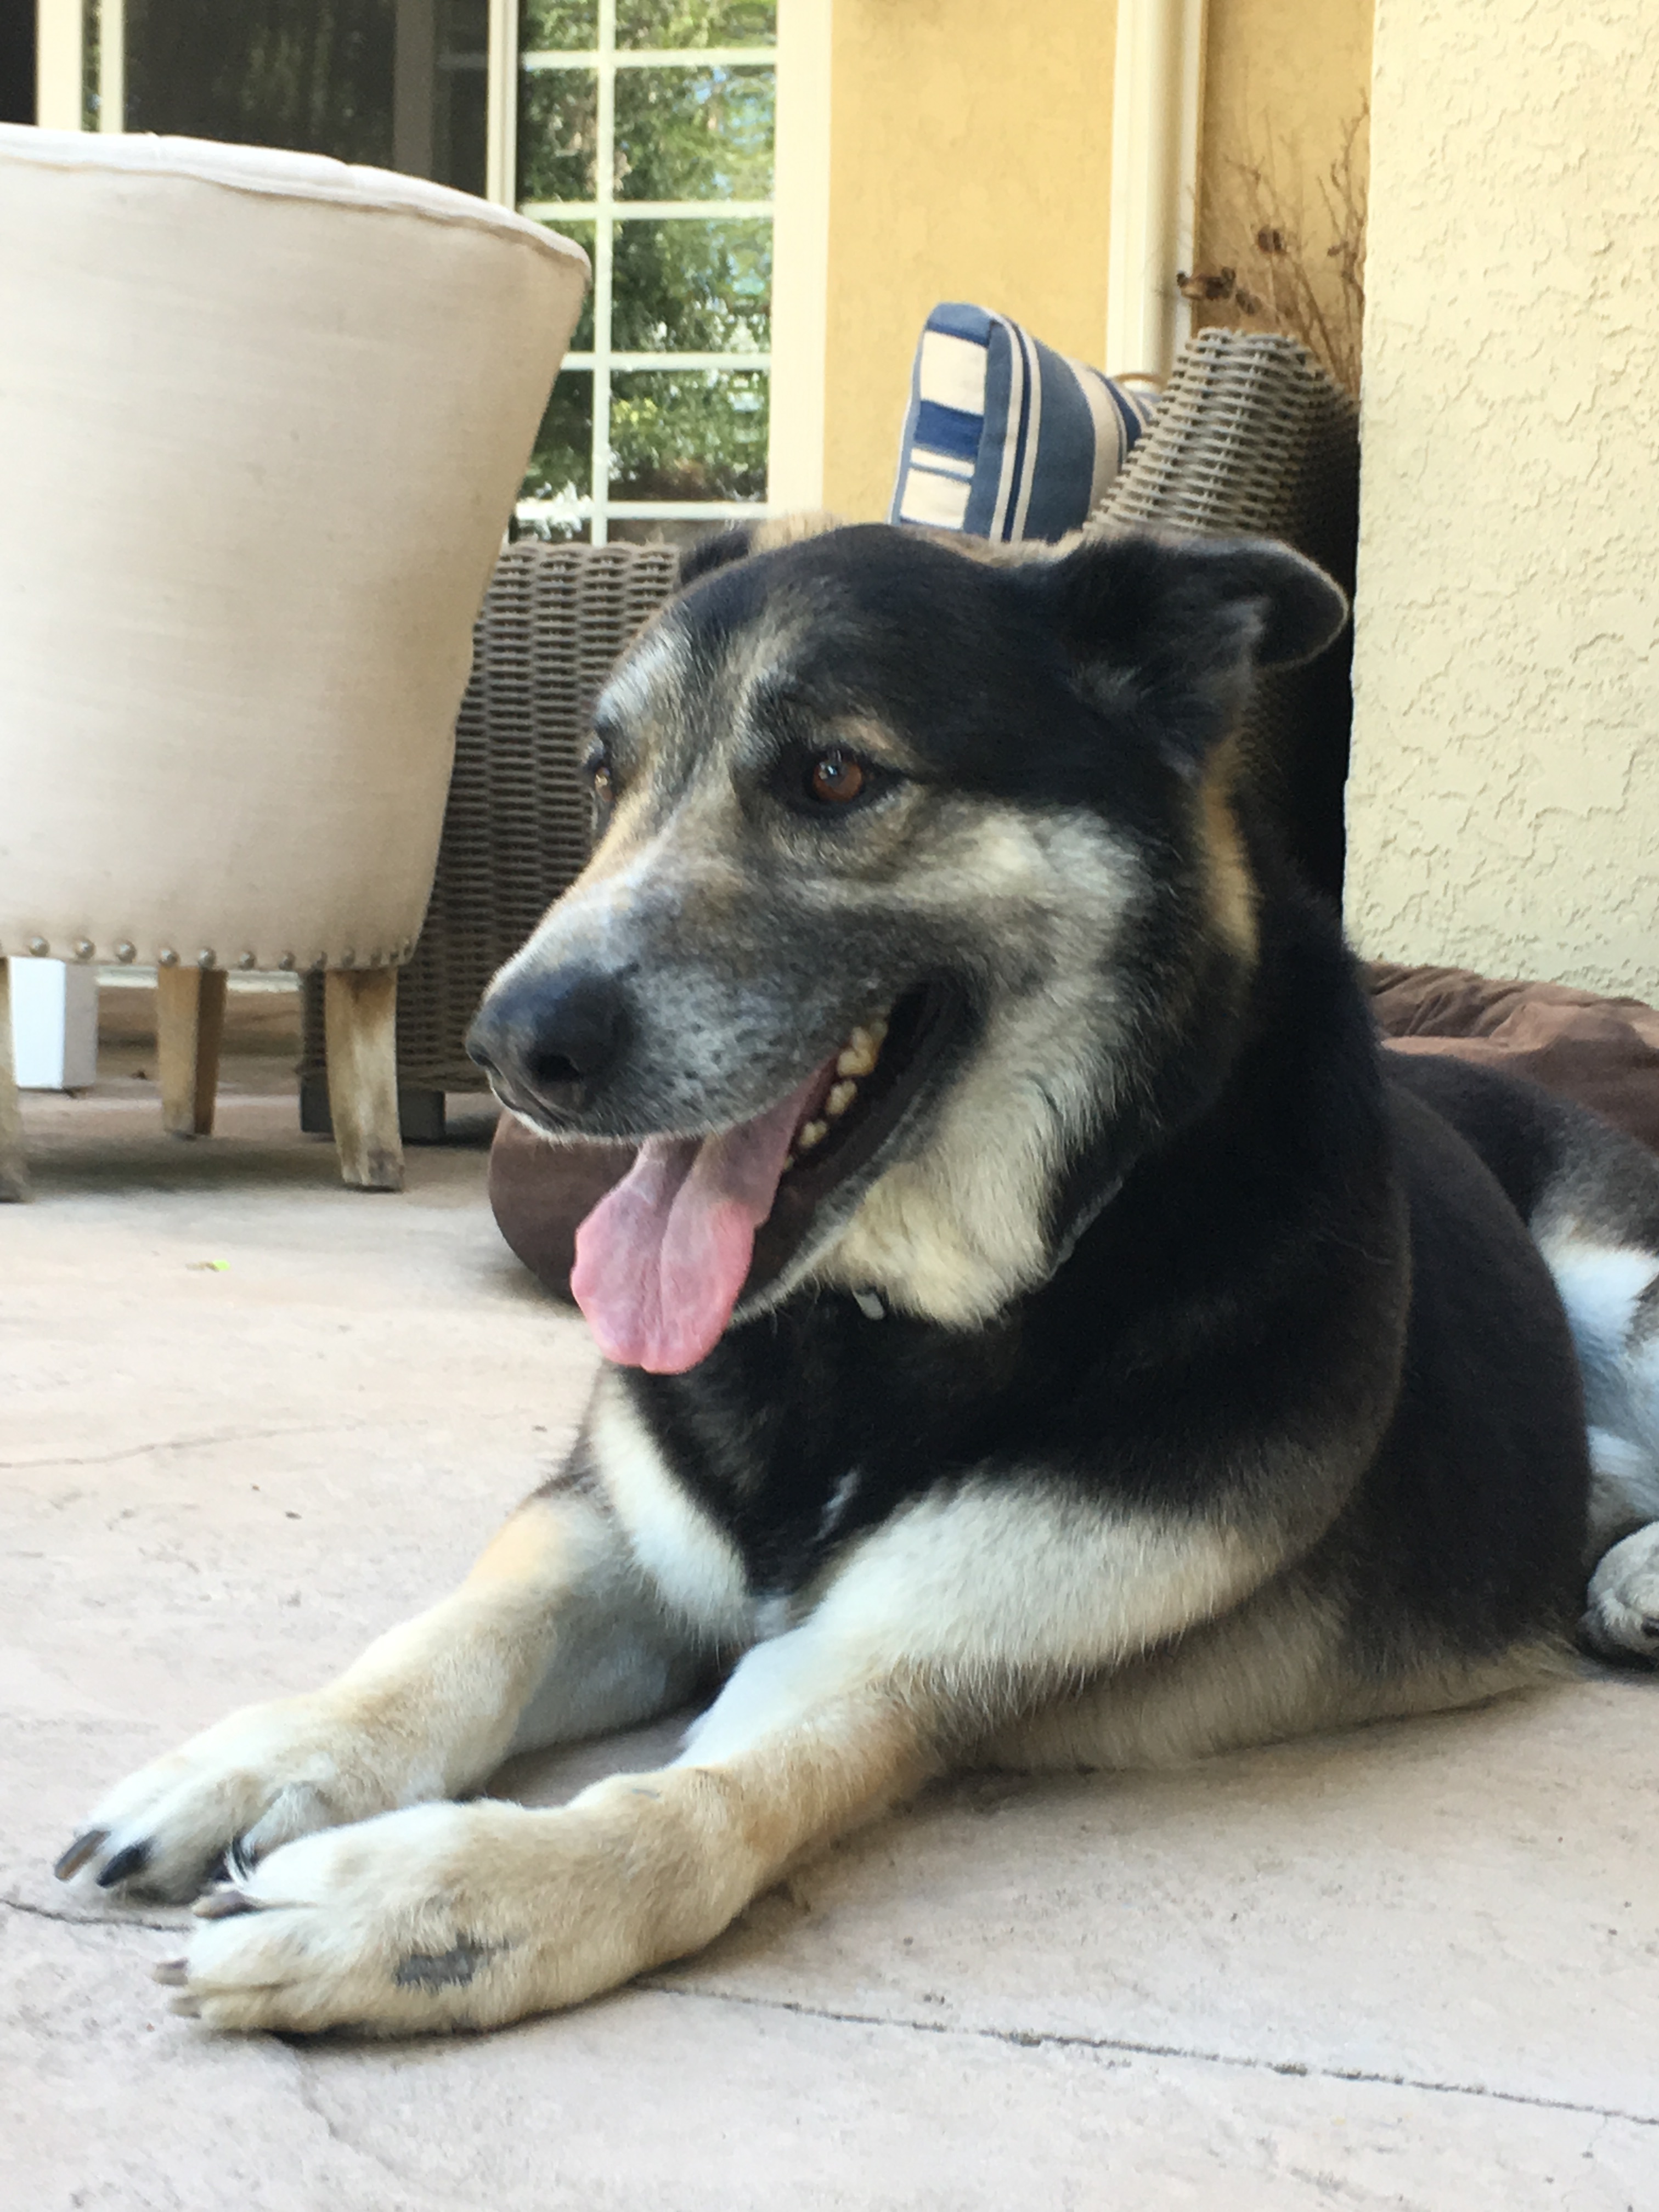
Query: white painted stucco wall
x,y
1503,807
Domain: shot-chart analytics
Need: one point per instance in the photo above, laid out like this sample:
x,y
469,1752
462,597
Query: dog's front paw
x,y
259,1778
1621,1618
417,1922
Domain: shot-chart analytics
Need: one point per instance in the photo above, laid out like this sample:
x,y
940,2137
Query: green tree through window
x,y
646,132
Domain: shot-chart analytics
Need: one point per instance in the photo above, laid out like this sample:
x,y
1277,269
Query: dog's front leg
x,y
554,1627
449,1916
937,1626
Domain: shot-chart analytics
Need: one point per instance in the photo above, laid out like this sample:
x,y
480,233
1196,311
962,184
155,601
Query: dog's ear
x,y
726,546
1188,622
717,551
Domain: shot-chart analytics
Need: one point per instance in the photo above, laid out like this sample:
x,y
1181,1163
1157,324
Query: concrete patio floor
x,y
247,1418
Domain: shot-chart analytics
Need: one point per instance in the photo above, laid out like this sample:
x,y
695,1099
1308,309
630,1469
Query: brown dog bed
x,y
1602,1053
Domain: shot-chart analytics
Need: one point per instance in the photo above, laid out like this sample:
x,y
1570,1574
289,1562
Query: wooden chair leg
x,y
360,1028
190,1027
13,1168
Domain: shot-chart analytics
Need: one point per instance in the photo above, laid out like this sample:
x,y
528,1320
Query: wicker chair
x,y
1250,438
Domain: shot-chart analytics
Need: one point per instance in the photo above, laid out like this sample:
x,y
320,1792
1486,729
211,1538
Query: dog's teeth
x,y
814,1132
841,1095
879,1033
858,1054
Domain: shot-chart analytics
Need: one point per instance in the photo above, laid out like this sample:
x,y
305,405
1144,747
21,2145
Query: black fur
x,y
1539,1148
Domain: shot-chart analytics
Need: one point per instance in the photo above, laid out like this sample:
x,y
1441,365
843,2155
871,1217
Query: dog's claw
x,y
186,2008
133,1860
222,1905
85,1846
171,1973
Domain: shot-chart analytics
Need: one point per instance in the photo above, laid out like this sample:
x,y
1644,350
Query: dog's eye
x,y
835,777
601,779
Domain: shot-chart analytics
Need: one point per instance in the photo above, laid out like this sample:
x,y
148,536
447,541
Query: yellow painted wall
x,y
970,158
1284,79
1503,807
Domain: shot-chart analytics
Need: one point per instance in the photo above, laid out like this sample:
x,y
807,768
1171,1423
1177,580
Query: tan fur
x,y
1271,1669
470,1916
955,1233
1231,884
428,1710
527,1551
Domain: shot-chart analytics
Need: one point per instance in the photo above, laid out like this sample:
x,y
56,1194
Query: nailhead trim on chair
x,y
124,953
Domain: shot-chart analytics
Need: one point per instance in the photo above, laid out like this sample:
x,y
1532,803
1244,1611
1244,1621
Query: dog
x,y
1042,1326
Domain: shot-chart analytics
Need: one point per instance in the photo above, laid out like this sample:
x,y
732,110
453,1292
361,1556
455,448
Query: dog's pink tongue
x,y
662,1259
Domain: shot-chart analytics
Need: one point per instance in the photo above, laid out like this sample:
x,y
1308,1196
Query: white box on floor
x,y
54,1025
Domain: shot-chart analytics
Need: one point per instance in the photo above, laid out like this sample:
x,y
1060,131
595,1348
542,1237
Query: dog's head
x,y
911,871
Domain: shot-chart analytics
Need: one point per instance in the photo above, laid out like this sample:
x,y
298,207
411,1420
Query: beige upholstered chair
x,y
262,420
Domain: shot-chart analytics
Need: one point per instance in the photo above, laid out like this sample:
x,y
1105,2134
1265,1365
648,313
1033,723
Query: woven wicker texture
x,y
1253,439
516,825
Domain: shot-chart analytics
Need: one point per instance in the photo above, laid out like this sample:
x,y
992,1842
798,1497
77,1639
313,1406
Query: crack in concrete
x,y
184,1443
306,2084
91,1919
1058,2039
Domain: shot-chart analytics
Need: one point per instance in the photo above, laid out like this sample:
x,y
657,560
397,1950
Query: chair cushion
x,y
1005,438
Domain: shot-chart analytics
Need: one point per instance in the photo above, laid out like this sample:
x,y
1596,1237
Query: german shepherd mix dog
x,y
1041,1328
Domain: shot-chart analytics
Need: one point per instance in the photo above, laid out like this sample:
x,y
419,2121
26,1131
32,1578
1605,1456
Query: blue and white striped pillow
x,y
1004,437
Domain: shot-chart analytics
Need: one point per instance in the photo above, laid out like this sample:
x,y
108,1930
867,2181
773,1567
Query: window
x,y
646,130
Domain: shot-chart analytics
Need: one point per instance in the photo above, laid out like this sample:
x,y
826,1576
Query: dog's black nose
x,y
554,1035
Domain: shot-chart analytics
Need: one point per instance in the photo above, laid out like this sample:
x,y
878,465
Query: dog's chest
x,y
808,1427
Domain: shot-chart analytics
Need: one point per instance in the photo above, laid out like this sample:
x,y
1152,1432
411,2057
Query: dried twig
x,y
1276,269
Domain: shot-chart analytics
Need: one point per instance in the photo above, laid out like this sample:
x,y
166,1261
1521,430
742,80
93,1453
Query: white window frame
x,y
798,208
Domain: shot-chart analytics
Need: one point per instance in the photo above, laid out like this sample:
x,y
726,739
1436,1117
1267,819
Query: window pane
x,y
557,26
561,460
692,287
687,134
460,96
677,436
364,80
696,22
558,125
314,75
